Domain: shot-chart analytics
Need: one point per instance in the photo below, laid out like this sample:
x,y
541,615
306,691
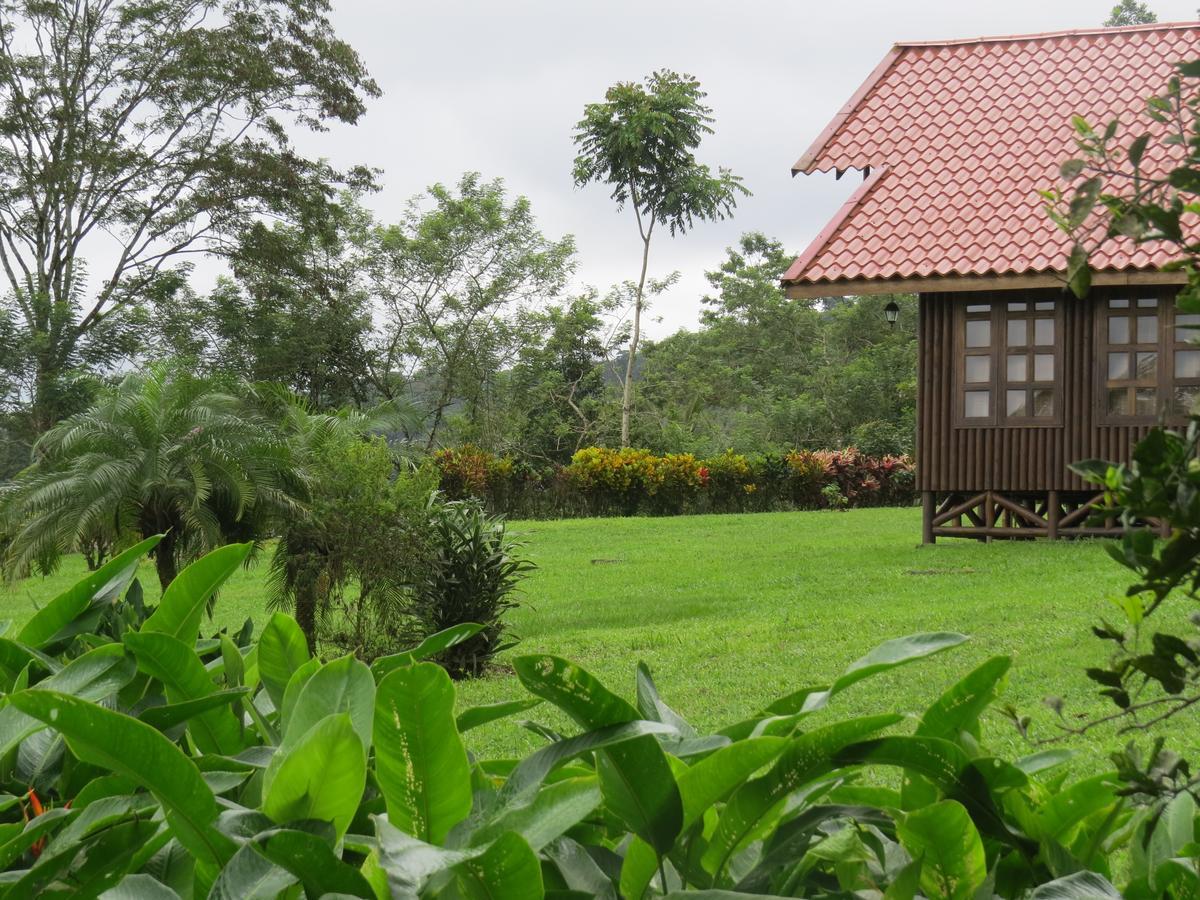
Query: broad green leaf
x,y
638,785
532,771
507,870
887,656
344,685
421,764
717,894
1043,760
944,838
139,886
282,649
97,674
947,766
15,656
295,685
183,676
702,786
481,715
1169,832
97,847
183,602
805,758
906,882
408,863
321,777
235,664
1080,886
105,584
251,876
131,748
547,816
12,848
652,706
580,872
313,862
172,714
431,646
1066,808
959,708
954,713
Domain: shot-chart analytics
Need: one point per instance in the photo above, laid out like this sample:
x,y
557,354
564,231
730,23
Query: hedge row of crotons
x,y
602,481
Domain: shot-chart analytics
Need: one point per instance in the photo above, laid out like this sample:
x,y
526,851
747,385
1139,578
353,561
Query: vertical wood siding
x,y
1011,458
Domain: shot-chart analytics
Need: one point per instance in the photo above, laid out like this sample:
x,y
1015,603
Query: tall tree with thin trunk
x,y
641,141
135,134
1130,12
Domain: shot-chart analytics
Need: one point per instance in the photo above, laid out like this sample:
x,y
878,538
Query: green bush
x,y
469,574
155,762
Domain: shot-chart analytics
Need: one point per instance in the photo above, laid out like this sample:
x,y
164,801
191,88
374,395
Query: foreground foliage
x,y
144,759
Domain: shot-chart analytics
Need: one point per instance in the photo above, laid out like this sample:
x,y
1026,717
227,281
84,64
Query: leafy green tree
x,y
452,281
297,312
1130,12
162,453
360,523
765,374
556,390
641,142
138,134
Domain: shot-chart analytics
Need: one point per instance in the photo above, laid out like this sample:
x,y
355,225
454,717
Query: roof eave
x,y
938,284
808,162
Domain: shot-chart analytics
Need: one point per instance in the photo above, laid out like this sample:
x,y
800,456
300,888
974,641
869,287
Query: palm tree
x,y
163,453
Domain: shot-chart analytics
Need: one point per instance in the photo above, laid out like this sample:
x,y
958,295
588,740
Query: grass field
x,y
732,611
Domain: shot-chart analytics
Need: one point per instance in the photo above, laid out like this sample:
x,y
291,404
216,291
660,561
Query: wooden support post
x,y
989,516
927,509
1053,511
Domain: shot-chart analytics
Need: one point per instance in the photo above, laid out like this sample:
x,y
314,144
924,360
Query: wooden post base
x,y
1003,515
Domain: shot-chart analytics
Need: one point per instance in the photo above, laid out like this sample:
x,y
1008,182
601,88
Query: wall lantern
x,y
891,312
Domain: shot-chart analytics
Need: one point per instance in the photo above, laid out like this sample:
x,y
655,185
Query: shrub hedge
x,y
602,481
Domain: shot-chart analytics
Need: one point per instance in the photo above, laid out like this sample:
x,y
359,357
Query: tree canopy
x,y
640,141
136,135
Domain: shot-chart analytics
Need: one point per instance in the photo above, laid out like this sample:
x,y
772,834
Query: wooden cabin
x,y
1017,378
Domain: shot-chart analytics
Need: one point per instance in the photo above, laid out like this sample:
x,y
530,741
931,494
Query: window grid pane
x,y
979,333
1147,329
1015,404
977,404
978,369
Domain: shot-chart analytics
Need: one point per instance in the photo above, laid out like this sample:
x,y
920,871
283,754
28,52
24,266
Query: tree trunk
x,y
306,611
164,560
627,388
45,411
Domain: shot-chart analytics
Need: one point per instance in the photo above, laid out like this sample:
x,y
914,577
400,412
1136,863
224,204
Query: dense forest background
x,y
462,313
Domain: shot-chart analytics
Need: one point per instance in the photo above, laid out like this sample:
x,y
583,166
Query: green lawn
x,y
733,611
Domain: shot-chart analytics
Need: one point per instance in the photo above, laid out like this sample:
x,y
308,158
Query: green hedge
x,y
602,481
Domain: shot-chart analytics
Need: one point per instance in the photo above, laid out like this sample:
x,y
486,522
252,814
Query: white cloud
x,y
497,87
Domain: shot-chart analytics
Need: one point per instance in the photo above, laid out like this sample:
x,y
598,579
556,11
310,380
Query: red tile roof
x,y
959,136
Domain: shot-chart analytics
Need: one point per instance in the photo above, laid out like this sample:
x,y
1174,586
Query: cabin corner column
x,y
927,507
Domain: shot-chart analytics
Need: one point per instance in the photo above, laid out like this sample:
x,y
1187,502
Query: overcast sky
x,y
497,87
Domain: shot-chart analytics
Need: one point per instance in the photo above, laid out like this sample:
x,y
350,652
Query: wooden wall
x,y
1012,458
